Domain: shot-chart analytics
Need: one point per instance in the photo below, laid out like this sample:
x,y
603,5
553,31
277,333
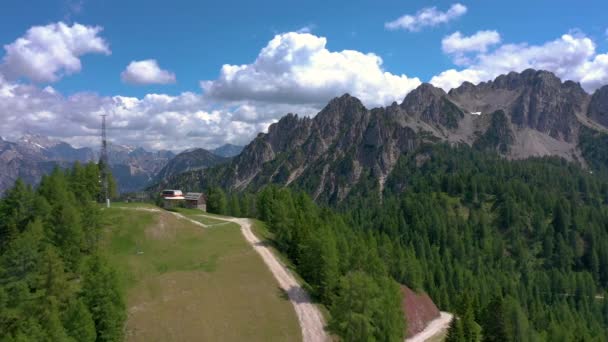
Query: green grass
x,y
131,205
187,283
197,215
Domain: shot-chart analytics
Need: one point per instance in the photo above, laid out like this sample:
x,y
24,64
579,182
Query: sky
x,y
203,73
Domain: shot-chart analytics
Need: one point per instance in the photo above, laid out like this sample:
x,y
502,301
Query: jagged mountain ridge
x,y
519,115
32,156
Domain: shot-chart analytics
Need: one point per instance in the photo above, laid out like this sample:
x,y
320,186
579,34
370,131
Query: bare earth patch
x,y
161,230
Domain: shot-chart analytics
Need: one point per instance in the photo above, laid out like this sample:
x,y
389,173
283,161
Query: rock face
x,y
194,159
419,310
346,145
32,156
598,107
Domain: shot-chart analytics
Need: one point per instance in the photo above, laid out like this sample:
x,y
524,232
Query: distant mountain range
x,y
518,115
32,156
190,160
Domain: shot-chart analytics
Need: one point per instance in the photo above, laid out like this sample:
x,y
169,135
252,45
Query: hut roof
x,y
193,196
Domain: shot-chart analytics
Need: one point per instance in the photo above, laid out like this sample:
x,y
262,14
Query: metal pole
x,y
104,161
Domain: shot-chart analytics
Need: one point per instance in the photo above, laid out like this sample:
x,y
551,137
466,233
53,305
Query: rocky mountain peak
x,y
431,105
340,114
598,106
425,92
345,105
465,87
37,141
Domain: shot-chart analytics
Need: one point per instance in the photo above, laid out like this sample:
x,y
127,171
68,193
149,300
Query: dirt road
x,y
436,327
311,320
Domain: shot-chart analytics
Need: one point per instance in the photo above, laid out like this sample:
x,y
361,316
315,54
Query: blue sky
x,y
191,40
195,38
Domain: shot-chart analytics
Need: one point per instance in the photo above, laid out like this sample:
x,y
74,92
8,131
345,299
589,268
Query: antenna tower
x,y
104,161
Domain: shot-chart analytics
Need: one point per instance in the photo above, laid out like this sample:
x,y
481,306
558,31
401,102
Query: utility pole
x,y
103,160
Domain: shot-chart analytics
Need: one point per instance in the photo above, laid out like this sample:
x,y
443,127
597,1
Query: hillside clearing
x,y
185,283
311,319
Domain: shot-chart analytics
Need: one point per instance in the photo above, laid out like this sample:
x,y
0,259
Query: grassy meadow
x,y
187,283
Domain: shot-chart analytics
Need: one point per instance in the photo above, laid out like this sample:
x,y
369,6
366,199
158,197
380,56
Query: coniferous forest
x,y
54,284
518,250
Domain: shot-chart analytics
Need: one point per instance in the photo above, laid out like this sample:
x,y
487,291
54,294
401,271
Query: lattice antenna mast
x,y
104,161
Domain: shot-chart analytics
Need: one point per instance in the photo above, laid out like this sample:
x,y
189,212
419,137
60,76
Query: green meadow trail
x,y
311,320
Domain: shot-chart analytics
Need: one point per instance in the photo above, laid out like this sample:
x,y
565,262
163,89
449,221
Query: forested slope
x,y
517,249
54,286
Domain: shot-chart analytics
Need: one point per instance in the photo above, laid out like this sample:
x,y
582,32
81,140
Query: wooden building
x,y
196,200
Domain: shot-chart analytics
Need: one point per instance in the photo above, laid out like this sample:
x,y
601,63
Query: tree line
x,y
517,249
54,284
343,268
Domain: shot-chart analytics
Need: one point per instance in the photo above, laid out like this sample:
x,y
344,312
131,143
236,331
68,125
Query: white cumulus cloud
x,y
426,17
297,68
571,57
154,121
46,53
478,42
146,72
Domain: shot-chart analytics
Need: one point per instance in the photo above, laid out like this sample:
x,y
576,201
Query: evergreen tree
x,y
455,332
235,206
40,263
216,201
366,309
16,210
78,322
103,299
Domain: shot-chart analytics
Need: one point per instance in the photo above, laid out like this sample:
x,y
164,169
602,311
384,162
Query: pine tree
x,y
235,206
21,260
367,309
78,322
67,234
16,211
455,331
51,322
495,322
103,299
52,278
216,201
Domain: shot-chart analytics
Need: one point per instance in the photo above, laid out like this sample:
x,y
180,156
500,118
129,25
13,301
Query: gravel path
x,y
436,326
311,320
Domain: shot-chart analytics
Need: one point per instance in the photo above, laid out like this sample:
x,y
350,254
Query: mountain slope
x,y
189,160
227,150
518,115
